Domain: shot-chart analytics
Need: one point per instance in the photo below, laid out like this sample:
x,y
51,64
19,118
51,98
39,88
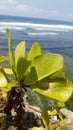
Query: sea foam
x,y
21,25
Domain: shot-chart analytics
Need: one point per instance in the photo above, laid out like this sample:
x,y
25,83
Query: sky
x,y
47,9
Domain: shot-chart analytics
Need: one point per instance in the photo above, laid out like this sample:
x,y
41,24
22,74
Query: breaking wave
x,y
39,27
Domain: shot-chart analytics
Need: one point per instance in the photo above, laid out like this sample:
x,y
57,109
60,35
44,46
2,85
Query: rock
x,y
68,122
2,121
34,109
12,128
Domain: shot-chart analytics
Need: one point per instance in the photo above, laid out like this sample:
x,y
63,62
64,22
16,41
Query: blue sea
x,y
53,36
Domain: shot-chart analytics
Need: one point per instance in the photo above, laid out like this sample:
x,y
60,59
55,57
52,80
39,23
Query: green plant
x,y
43,73
51,124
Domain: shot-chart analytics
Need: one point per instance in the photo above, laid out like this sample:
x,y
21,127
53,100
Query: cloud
x,y
51,11
9,2
45,13
14,7
6,5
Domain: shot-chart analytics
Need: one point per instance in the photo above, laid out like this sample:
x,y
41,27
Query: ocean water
x,y
53,36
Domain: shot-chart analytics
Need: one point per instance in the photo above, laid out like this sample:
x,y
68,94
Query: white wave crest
x,y
21,25
35,25
40,34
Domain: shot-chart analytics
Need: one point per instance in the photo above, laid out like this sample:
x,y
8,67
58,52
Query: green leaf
x,y
11,56
60,91
52,113
45,118
22,66
20,62
3,80
53,127
58,128
60,105
59,75
8,70
34,51
61,119
8,87
3,58
19,52
44,66
38,128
